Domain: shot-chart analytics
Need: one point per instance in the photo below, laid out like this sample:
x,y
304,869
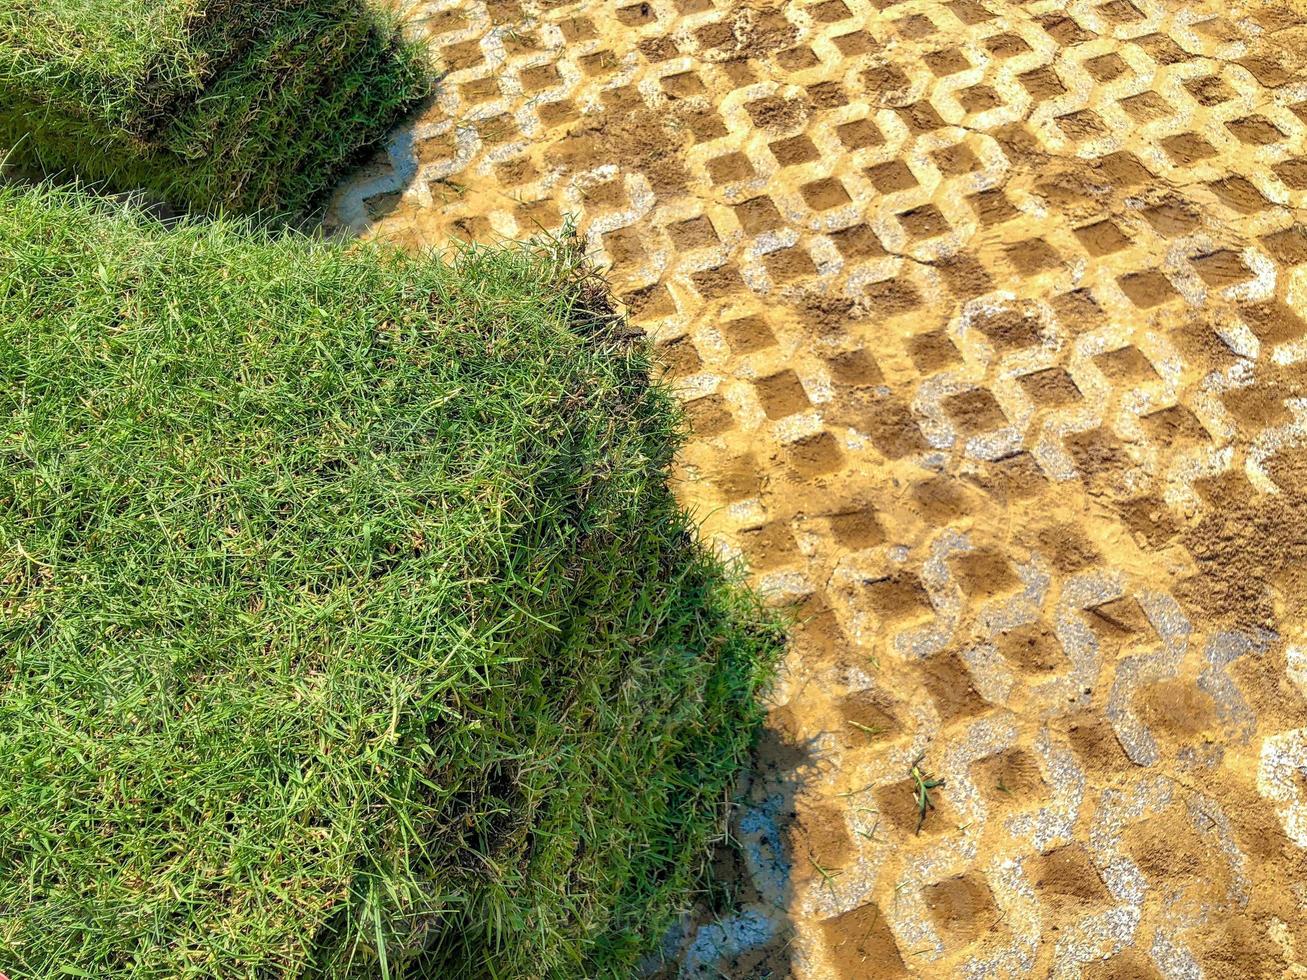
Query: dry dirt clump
x,y
989,319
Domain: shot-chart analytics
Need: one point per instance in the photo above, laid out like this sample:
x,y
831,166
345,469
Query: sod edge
x,y
350,627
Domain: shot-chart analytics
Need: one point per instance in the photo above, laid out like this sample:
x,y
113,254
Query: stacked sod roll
x,y
237,105
348,627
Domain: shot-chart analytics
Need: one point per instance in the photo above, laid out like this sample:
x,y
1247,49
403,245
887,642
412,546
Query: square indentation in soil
x,y
1175,711
1289,246
1146,106
1119,621
829,11
1098,454
1150,519
892,429
814,455
775,114
769,546
915,26
1050,388
1127,364
898,599
683,86
1042,83
1147,289
1273,322
624,247
680,357
1106,67
939,500
785,264
1066,881
781,394
966,276
1175,857
891,176
1006,45
961,908
1239,194
861,941
854,369
1034,255
857,242
900,811
932,351
1186,149
729,168
892,297
955,160
1293,173
636,14
1014,477
1120,11
1063,545
1084,124
1174,426
975,411
1258,407
984,574
1009,778
970,12
1129,964
1095,744
1255,130
924,222
857,528
540,77
1123,169
921,117
1102,238
1209,90
693,233
1221,269
1032,649
859,134
1171,218
946,62
758,215
480,90
718,282
992,207
1063,29
870,714
822,195
708,416
979,98
949,682
796,59
794,151
748,334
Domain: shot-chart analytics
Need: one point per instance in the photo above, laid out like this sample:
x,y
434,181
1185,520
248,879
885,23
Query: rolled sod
x,y
231,105
348,627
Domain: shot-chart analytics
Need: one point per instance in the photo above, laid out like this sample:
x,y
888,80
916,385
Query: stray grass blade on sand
x,y
350,628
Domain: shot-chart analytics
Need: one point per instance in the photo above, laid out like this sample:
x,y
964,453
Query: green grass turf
x,y
349,627
211,104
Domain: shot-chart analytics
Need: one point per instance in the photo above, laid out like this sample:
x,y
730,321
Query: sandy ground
x,y
990,317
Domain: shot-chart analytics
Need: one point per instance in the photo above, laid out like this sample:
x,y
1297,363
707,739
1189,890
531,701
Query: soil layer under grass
x,y
211,104
349,627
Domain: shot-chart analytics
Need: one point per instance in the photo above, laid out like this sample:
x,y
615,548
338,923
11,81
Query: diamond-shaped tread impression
x,y
986,316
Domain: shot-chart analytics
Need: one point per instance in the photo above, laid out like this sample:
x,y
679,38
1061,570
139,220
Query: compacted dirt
x,y
991,320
